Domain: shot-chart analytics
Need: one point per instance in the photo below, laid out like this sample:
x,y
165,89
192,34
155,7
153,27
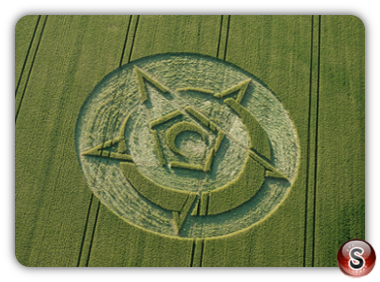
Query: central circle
x,y
191,144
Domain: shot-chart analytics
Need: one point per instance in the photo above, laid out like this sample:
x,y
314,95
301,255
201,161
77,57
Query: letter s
x,y
353,257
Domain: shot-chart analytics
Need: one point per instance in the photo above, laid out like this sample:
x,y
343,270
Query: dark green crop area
x,y
314,65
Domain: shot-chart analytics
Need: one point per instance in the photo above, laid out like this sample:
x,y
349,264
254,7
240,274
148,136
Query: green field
x,y
313,64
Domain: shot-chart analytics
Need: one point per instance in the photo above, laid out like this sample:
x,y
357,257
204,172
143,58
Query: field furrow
x,y
29,59
25,31
75,53
312,146
223,37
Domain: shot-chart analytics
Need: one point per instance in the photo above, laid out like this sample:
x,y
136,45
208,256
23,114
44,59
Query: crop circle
x,y
186,145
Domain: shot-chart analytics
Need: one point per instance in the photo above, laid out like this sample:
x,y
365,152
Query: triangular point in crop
x,y
141,76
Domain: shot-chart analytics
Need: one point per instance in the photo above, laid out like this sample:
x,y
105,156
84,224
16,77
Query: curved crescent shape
x,y
124,125
257,137
166,198
176,129
122,147
237,192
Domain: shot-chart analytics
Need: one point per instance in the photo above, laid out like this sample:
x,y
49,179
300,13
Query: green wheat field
x,y
188,141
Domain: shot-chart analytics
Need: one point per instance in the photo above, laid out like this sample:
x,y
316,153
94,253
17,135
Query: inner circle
x,y
191,143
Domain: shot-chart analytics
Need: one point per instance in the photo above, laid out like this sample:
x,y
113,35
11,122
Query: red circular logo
x,y
356,258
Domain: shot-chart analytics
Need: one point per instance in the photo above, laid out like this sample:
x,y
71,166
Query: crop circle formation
x,y
186,145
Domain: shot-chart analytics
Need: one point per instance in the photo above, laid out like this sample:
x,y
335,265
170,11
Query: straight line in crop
x,y
30,70
316,135
27,53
